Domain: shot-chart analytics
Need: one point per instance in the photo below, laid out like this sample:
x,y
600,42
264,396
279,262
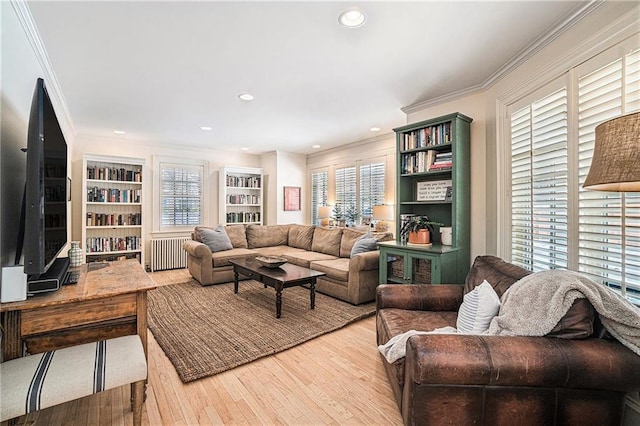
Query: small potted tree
x,y
351,215
418,230
338,215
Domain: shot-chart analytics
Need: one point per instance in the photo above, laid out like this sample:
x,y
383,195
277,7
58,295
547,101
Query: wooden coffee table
x,y
287,275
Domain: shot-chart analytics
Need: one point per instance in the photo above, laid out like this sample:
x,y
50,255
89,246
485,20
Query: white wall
x,y
292,172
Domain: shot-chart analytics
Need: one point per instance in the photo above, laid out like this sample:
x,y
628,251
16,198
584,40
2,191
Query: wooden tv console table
x,y
109,300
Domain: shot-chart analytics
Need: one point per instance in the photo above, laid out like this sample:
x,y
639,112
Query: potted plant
x,y
418,229
338,215
352,215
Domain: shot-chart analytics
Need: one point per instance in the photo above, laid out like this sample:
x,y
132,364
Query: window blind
x,y
319,181
372,178
346,188
180,195
539,218
609,222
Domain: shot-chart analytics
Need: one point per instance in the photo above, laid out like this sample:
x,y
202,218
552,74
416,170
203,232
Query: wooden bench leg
x,y
138,397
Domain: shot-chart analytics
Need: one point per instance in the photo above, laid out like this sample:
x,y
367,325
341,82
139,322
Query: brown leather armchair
x,y
577,377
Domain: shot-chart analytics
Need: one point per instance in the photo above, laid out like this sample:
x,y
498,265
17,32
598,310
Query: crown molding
x,y
552,33
25,18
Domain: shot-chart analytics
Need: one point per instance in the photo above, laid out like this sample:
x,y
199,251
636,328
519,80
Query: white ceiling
x,y
161,70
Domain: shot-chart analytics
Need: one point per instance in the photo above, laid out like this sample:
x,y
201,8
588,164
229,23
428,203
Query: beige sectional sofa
x,y
352,279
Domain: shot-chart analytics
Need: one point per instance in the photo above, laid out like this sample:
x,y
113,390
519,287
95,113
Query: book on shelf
x,y
428,136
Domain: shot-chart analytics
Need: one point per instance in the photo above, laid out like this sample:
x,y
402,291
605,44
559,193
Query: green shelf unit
x,y
422,189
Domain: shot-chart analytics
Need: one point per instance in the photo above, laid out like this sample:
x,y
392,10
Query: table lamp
x,y
324,213
615,165
382,214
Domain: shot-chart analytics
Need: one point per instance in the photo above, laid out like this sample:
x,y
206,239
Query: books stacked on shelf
x,y
107,244
243,199
243,217
113,195
428,136
442,161
103,219
243,181
113,173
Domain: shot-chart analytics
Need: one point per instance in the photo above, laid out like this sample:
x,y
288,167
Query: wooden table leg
x,y
235,280
278,288
11,341
312,293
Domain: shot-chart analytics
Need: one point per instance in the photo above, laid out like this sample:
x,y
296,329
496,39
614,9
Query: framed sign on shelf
x,y
291,198
434,190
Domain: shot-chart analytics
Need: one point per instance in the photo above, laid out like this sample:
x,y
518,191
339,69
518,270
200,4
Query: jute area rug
x,y
208,330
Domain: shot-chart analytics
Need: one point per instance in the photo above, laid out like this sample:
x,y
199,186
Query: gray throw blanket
x,y
534,305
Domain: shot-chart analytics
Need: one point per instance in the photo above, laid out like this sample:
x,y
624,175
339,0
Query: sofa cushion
x,y
217,239
478,308
238,235
301,236
327,241
267,235
304,258
496,271
222,258
338,269
277,250
350,236
577,323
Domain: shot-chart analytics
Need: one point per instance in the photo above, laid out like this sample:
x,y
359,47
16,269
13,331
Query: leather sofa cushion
x,y
267,235
327,241
301,236
496,271
238,235
577,323
222,258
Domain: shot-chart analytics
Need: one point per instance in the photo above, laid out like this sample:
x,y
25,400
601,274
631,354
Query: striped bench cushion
x,y
43,380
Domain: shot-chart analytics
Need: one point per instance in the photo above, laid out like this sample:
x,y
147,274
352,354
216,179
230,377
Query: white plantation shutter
x,y
319,190
180,195
539,184
609,222
371,187
346,188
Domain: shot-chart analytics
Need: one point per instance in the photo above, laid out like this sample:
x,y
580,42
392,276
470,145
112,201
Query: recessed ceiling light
x,y
244,148
315,146
352,18
375,129
246,96
205,127
119,132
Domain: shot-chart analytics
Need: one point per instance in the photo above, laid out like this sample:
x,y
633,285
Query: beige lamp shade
x,y
324,211
382,214
615,165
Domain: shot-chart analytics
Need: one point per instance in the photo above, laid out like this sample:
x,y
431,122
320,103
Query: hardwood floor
x,y
337,378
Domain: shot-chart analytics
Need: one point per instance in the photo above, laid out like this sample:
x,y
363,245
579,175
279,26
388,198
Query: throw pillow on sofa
x,y
365,243
217,239
478,308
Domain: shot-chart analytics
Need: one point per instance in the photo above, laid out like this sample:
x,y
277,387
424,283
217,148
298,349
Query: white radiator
x,y
167,253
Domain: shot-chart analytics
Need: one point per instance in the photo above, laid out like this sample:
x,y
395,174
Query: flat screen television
x,y
46,187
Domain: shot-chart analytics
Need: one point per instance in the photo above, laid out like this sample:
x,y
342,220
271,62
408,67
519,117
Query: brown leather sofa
x,y
497,380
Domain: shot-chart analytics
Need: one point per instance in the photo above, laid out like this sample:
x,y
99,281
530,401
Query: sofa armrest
x,y
197,249
521,361
419,297
366,261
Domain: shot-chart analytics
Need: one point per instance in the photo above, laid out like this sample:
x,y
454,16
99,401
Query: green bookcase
x,y
433,179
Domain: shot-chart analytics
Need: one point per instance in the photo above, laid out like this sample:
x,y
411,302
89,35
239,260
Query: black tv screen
x,y
45,227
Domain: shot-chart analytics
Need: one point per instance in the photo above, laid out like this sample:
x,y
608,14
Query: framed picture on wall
x,y
291,198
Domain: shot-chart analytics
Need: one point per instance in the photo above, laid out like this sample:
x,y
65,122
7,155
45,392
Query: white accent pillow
x,y
478,308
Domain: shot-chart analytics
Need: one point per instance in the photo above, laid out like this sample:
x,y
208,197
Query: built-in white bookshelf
x,y
241,195
113,192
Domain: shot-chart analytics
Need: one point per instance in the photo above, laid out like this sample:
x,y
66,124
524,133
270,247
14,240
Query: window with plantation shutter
x,y
609,222
346,189
319,189
180,195
371,187
555,223
539,183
